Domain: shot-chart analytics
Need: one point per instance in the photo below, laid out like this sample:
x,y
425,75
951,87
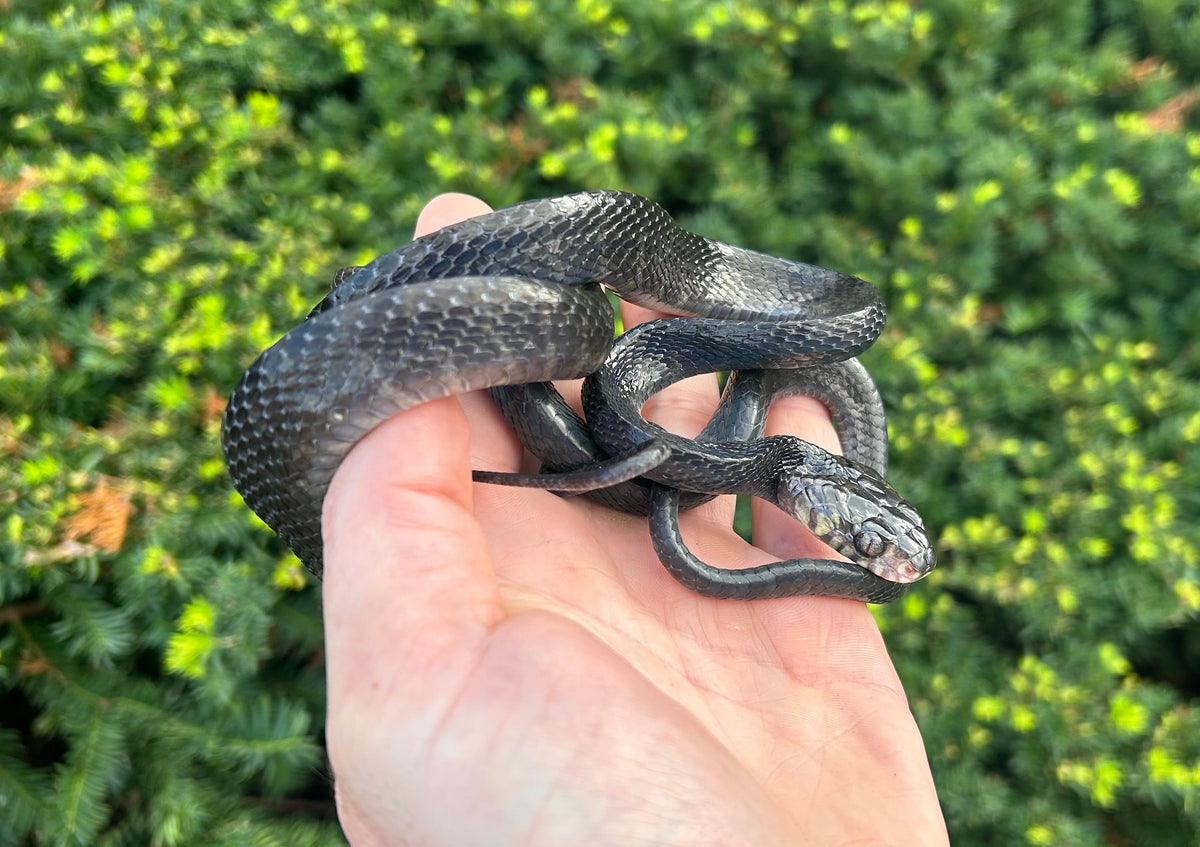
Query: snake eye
x,y
869,543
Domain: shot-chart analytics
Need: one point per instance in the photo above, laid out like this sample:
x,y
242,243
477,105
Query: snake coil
x,y
514,298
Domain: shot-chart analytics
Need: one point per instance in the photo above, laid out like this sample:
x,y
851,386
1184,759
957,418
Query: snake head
x,y
855,511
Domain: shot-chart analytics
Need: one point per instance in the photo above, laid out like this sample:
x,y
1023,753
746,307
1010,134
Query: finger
x,y
773,529
844,643
684,408
492,443
409,597
447,209
403,553
405,560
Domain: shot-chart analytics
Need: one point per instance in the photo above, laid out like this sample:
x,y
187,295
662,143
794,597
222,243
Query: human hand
x,y
506,666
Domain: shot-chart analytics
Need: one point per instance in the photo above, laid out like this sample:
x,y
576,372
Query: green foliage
x,y
178,182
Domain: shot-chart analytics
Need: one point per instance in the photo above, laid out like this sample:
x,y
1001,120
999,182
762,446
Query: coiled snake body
x,y
513,298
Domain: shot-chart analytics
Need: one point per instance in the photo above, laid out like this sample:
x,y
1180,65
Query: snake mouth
x,y
898,566
894,564
901,570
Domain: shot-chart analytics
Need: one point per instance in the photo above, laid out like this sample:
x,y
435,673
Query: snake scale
x,y
512,300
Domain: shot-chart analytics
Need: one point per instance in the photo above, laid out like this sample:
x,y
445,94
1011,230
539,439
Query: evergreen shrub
x,y
179,180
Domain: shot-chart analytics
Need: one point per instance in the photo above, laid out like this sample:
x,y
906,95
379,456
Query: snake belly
x,y
512,298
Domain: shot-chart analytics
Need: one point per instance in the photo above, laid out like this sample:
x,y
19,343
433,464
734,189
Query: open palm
x,y
510,667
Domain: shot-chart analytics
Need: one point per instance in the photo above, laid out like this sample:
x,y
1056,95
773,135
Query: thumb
x,y
406,563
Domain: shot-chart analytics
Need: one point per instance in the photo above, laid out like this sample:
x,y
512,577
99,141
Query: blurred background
x,y
179,182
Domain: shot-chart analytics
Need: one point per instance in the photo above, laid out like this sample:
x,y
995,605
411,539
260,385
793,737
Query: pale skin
x,y
508,667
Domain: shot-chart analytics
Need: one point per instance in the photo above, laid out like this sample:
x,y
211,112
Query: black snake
x,y
513,298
